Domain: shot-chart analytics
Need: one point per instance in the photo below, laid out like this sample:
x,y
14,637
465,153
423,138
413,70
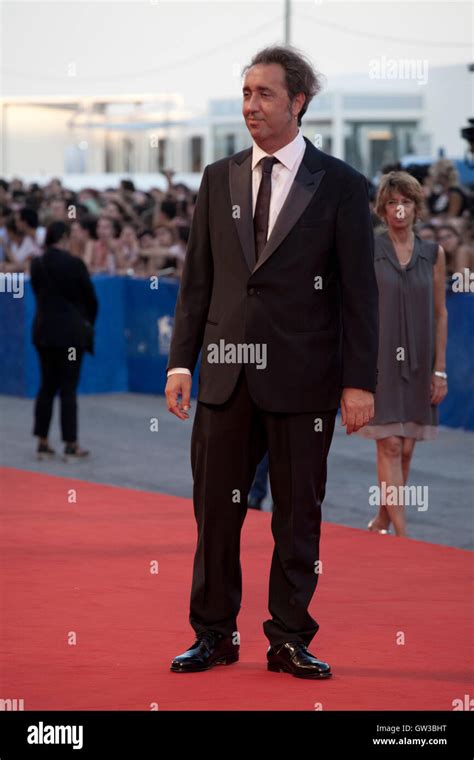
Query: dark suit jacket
x,y
65,297
318,339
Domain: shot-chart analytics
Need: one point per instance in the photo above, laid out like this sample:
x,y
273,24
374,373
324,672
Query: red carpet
x,y
84,567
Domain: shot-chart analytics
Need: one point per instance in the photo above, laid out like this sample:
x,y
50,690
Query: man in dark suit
x,y
279,292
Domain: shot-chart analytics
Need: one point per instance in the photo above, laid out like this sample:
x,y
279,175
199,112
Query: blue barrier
x,y
107,370
132,338
457,409
133,333
149,319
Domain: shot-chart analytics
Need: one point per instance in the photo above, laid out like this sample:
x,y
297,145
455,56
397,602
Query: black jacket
x,y
65,301
318,339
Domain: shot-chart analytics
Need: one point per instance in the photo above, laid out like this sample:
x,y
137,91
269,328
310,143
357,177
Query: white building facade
x,y
366,122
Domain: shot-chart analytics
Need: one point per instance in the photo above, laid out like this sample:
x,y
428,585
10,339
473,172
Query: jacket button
x,y
251,291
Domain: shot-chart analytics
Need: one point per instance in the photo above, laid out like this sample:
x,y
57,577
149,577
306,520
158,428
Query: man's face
x,y
266,106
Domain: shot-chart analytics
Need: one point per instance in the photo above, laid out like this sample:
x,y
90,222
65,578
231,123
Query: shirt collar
x,y
286,155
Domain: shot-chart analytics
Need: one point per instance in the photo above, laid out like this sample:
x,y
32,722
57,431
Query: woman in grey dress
x,y
413,321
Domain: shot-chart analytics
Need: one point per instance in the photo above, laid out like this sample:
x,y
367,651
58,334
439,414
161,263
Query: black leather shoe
x,y
293,657
209,649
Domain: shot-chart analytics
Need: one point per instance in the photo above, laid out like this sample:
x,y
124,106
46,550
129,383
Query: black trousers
x,y
58,373
227,443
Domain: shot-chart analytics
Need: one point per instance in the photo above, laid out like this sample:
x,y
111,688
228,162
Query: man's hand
x,y
179,383
357,408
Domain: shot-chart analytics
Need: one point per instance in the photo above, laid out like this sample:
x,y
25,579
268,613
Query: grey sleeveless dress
x,y
406,343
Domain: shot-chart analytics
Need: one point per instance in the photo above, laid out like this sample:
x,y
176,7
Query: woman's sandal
x,y
371,527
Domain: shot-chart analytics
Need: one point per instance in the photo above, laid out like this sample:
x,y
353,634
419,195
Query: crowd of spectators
x,y
125,231
118,231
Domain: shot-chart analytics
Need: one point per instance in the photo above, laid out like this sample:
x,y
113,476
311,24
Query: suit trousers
x,y
58,373
228,441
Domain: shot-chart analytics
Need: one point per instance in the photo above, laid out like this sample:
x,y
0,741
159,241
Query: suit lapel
x,y
304,186
240,179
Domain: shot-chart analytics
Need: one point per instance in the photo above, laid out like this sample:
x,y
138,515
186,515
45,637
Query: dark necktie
x,y
262,207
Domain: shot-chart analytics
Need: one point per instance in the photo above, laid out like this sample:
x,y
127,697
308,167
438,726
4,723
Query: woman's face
x,y
128,235
147,241
441,182
104,229
58,210
164,236
399,211
112,211
77,232
448,240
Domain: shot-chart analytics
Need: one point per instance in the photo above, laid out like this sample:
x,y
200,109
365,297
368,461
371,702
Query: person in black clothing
x,y
446,198
62,330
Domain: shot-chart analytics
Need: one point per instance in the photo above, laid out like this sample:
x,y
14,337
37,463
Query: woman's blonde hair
x,y
444,171
403,183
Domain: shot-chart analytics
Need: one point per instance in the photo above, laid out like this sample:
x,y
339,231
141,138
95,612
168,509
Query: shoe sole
x,y
71,458
227,660
281,669
43,457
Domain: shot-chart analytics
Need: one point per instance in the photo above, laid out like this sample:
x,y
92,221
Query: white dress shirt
x,y
283,174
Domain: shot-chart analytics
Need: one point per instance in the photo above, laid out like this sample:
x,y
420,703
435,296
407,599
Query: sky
x,y
197,48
